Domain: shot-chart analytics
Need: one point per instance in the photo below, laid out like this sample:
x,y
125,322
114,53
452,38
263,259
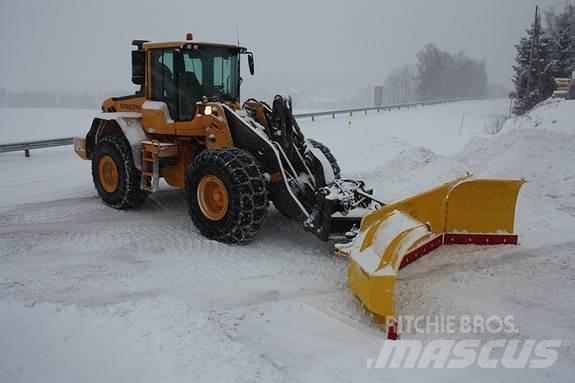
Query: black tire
x,y
330,157
128,193
246,189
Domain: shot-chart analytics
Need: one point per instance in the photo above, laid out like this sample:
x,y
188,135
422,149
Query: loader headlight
x,y
208,110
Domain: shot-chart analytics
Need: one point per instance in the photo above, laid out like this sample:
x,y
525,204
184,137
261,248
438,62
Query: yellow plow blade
x,y
457,212
482,207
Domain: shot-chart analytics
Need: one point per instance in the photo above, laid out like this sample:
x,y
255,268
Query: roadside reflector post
x,y
392,330
27,152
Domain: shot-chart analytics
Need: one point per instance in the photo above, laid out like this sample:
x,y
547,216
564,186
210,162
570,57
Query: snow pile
x,y
537,147
365,141
553,114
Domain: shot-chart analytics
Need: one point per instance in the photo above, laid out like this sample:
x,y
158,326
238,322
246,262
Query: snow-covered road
x,y
91,294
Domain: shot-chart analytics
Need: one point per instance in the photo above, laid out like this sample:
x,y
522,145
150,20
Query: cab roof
x,y
184,43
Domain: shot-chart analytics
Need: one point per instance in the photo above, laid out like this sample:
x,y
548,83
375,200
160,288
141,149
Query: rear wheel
x,y
115,175
226,195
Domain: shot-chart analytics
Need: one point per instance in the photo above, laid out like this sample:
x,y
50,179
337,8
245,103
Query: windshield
x,y
183,77
216,70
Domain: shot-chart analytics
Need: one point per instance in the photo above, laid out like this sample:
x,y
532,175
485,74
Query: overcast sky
x,y
83,46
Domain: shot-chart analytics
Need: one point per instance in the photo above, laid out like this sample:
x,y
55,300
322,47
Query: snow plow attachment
x,y
463,211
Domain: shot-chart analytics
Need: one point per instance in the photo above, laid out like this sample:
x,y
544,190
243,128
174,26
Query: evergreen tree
x,y
563,47
536,85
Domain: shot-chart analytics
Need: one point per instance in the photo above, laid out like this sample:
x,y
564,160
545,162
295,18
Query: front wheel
x,y
226,195
329,155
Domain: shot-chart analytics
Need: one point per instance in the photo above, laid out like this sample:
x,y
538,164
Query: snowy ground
x,y
91,294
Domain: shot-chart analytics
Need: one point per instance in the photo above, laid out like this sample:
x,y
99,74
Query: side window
x,y
163,78
222,77
191,87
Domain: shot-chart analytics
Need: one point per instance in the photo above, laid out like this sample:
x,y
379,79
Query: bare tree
x,y
399,86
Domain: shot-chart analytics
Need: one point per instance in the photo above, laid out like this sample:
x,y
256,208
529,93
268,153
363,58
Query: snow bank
x,y
365,141
553,114
537,147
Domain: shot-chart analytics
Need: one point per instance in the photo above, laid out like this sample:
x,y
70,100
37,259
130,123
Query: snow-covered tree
x,y
536,85
563,46
553,21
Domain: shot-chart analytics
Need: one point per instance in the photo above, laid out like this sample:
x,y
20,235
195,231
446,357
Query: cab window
x,y
164,87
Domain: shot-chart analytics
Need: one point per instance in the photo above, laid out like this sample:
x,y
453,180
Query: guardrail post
x,y
333,115
312,117
26,152
365,111
350,114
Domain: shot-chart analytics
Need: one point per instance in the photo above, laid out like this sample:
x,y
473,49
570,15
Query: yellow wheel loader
x,y
186,125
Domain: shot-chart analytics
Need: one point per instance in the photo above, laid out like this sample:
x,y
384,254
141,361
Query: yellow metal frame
x,y
398,233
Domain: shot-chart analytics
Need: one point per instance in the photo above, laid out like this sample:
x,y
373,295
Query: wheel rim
x,y
213,197
108,174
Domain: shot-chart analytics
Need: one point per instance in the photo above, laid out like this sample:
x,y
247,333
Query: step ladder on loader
x,y
152,152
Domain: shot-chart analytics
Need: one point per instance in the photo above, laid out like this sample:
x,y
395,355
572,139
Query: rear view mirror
x,y
251,63
138,67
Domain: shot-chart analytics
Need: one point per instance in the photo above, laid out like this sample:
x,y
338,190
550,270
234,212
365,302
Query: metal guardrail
x,y
350,111
27,146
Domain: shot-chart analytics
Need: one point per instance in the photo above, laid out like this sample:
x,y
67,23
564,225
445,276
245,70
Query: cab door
x,y
160,112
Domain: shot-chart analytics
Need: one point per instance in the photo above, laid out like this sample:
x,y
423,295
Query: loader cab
x,y
183,74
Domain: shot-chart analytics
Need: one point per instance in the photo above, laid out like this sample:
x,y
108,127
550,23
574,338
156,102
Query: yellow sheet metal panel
x,y
403,243
376,259
482,206
427,207
376,293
